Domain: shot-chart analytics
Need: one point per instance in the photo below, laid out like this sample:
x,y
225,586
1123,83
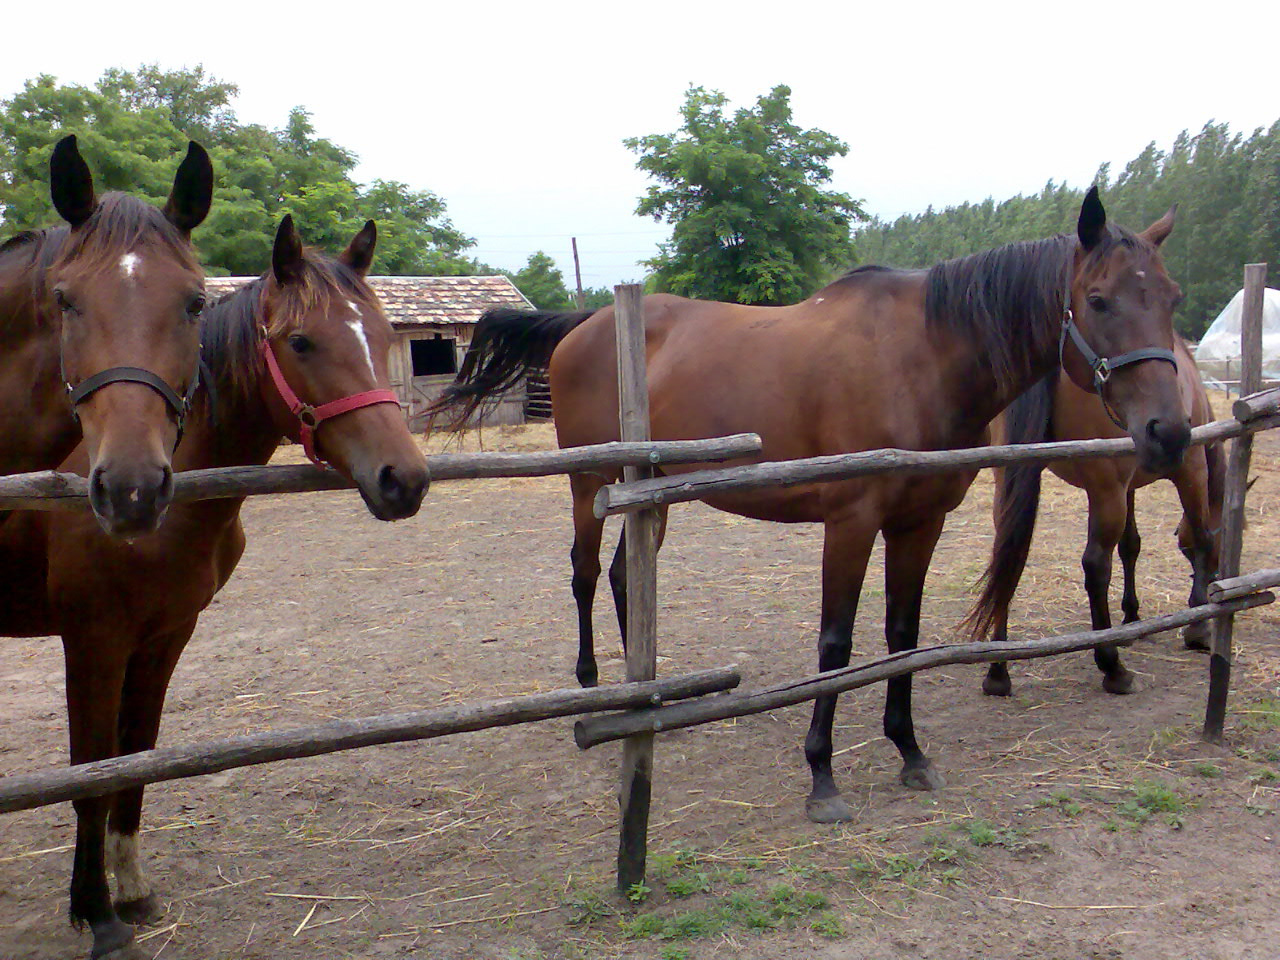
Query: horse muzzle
x,y
394,492
130,502
1162,444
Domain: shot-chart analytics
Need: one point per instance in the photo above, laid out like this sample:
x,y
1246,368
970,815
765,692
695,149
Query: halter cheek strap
x,y
309,417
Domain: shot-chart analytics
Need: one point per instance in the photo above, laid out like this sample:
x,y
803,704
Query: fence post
x,y
641,532
1233,499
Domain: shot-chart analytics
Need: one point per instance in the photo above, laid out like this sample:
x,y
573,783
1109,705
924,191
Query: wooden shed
x,y
433,318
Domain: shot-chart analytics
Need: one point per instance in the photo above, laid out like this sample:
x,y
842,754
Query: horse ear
x,y
1159,231
359,253
71,183
1092,224
286,255
192,193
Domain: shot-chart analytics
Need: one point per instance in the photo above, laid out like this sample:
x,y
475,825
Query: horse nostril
x,y
97,488
389,484
165,492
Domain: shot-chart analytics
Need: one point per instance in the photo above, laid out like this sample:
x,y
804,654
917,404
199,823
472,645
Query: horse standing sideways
x,y
922,359
301,352
1056,409
104,313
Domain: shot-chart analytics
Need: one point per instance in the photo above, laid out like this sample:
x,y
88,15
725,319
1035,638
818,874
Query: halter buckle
x,y
307,414
1102,371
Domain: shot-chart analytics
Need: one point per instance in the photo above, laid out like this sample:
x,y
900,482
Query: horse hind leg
x,y
1197,540
997,682
1129,548
618,574
585,557
1106,525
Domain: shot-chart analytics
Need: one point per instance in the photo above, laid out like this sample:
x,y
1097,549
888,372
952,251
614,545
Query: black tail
x,y
1029,420
506,346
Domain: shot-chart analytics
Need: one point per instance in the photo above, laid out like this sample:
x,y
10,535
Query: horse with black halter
x,y
100,337
1056,409
919,359
301,353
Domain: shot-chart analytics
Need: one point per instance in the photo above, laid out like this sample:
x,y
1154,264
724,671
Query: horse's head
x,y
1121,306
327,343
129,293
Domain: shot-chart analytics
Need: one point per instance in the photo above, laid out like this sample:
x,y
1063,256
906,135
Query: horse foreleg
x,y
145,683
94,682
585,557
1198,540
1106,524
845,551
1130,547
997,682
907,556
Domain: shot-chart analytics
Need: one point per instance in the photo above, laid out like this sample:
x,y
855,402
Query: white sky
x,y
515,113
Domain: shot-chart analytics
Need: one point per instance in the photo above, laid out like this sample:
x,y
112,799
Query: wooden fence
x,y
647,700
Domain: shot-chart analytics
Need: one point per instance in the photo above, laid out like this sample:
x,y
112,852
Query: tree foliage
x,y
542,282
133,127
751,221
1227,188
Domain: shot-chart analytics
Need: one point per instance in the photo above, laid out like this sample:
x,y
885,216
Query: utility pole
x,y
577,273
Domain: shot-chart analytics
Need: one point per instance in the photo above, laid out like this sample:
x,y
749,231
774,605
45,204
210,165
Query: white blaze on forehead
x,y
129,265
1142,274
357,327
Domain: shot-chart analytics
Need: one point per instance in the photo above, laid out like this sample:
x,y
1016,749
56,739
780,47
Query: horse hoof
x,y
997,686
1195,637
1120,683
141,911
827,809
110,937
922,777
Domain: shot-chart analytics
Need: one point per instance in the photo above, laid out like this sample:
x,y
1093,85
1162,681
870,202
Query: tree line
x,y
1226,186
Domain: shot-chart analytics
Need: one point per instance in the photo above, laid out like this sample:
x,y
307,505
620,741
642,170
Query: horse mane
x,y
231,328
120,223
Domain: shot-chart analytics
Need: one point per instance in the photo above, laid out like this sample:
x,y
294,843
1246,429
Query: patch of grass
x,y
674,952
689,883
983,834
1208,770
638,892
1261,714
781,906
828,925
586,908
1063,802
1150,797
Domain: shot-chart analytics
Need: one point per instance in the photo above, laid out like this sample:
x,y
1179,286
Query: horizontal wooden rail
x,y
173,763
626,497
1257,405
592,732
1241,586
48,490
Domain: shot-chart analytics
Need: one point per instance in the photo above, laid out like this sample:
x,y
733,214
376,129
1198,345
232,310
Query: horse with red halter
x,y
302,351
921,359
1056,409
100,336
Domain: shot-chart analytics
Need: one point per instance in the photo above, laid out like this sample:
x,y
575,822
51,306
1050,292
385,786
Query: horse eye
x,y
1097,303
60,297
196,306
299,343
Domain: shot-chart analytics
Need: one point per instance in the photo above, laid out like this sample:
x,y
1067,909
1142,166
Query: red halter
x,y
311,417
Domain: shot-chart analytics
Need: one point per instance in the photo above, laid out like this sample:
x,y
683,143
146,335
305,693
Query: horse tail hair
x,y
507,345
1029,419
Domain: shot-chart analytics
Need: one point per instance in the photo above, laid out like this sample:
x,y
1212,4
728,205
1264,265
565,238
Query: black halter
x,y
179,406
1102,366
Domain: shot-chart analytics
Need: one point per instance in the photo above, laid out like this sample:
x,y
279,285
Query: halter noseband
x,y
1103,366
179,406
309,417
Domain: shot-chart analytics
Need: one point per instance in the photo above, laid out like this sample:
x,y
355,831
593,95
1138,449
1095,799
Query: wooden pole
x,y
47,490
577,275
592,732
193,760
641,532
680,487
1233,499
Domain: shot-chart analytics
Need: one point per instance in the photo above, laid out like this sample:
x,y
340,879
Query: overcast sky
x,y
515,113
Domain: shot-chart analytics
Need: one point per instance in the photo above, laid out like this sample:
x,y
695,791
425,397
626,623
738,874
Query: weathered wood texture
x,y
623,497
1242,586
1235,490
1258,405
174,763
47,490
641,531
590,733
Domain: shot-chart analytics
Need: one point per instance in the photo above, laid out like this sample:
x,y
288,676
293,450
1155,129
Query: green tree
x,y
542,282
132,128
751,221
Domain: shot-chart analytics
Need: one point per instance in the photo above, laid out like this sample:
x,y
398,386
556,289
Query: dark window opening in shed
x,y
433,357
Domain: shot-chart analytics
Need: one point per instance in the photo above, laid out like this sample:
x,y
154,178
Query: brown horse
x,y
1056,409
880,358
99,324
125,610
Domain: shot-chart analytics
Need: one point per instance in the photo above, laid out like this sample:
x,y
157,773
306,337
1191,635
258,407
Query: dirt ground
x,y
1074,825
